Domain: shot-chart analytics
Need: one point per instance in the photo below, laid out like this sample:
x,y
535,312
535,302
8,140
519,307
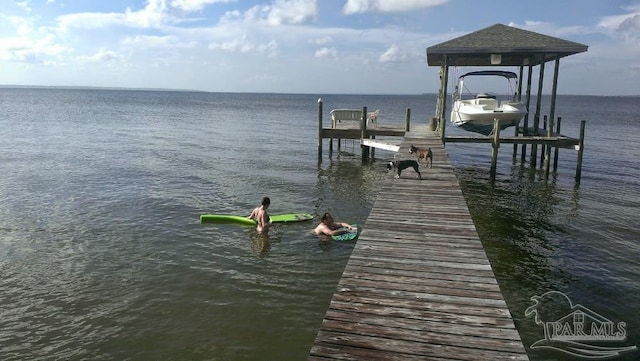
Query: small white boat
x,y
476,113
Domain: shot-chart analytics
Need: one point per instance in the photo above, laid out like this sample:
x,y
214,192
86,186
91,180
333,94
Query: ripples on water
x,y
102,255
581,240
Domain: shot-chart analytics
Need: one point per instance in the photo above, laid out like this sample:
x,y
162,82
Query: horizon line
x,y
89,87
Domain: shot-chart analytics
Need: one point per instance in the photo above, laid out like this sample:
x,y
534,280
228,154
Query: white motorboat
x,y
477,112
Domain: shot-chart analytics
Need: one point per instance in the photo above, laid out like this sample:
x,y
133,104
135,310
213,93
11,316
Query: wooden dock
x,y
418,284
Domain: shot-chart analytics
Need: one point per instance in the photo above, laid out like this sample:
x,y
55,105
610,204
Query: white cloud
x,y
291,11
280,12
393,54
322,40
30,43
329,53
194,5
154,41
243,45
100,56
626,26
388,6
153,15
24,5
89,20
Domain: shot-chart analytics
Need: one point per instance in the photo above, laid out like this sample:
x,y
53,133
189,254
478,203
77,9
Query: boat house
x,y
502,45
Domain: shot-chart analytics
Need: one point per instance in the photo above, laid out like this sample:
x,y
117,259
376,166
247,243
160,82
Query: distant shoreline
x,y
70,87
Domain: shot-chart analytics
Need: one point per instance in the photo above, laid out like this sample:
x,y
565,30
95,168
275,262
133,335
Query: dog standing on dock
x,y
404,164
422,153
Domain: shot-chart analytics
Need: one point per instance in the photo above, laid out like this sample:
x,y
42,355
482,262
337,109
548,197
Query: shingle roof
x,y
516,46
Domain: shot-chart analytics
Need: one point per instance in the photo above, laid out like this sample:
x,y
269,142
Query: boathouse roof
x,y
515,46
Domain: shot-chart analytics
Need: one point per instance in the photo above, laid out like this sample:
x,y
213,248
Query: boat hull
x,y
481,121
478,112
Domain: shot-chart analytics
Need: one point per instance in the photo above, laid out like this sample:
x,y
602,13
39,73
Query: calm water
x,y
102,255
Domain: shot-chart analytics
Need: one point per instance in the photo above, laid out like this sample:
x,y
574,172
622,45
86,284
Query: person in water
x,y
260,215
330,227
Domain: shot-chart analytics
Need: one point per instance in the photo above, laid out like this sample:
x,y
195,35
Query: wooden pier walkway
x,y
418,284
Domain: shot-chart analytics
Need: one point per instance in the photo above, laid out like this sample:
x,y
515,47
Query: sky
x,y
298,46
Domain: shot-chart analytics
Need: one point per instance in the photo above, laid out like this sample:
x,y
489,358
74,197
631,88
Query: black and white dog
x,y
403,164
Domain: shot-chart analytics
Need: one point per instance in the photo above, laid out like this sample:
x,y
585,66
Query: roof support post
x,y
536,117
526,116
552,114
519,98
554,89
444,70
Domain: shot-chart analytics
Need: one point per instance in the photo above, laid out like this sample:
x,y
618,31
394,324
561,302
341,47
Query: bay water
x,y
103,257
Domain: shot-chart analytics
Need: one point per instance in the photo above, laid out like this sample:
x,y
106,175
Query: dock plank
x,y
418,284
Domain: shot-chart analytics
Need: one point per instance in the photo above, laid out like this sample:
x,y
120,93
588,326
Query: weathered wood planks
x,y
418,284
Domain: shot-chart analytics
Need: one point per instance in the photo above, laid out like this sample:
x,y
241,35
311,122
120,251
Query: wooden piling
x,y
555,150
515,146
580,151
363,132
444,78
407,120
552,115
495,145
320,130
536,118
542,146
519,98
547,150
523,151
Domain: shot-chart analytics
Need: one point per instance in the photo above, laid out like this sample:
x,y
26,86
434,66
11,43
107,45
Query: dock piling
x,y
542,146
495,145
407,120
547,150
580,151
363,134
319,130
555,150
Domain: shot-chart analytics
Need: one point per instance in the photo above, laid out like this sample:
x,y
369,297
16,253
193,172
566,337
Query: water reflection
x,y
261,242
347,188
523,223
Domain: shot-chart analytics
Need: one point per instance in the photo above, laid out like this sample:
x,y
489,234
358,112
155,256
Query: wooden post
x,y
443,96
536,118
519,98
542,146
373,149
363,132
555,151
552,114
554,89
407,120
523,151
319,130
580,151
495,145
515,146
547,150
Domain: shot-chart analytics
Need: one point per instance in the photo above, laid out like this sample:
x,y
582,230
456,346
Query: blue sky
x,y
297,46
